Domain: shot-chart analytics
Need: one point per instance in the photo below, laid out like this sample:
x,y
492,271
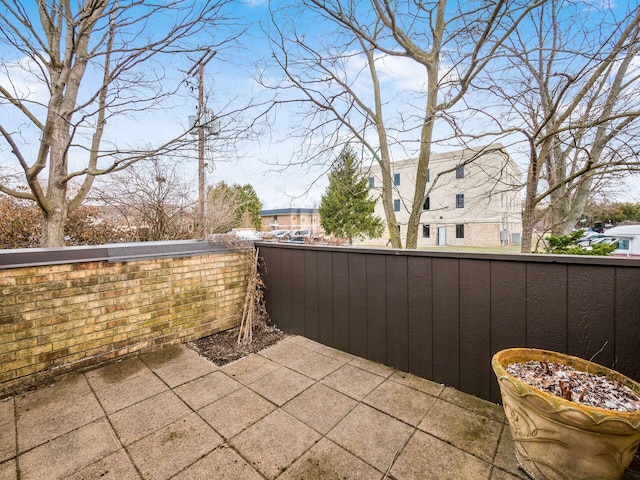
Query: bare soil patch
x,y
580,387
222,347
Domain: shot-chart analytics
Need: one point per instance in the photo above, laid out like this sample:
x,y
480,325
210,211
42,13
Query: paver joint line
x,y
272,415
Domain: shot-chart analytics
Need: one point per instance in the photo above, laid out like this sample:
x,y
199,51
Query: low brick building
x,y
292,219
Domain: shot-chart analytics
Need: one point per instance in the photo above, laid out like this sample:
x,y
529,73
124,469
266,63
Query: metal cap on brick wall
x,y
117,252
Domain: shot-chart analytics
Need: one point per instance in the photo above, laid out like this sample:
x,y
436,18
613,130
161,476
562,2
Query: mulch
x,y
222,347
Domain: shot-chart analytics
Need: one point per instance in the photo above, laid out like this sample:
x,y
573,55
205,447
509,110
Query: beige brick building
x,y
473,198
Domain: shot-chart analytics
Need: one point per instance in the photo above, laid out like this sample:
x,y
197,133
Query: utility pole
x,y
202,122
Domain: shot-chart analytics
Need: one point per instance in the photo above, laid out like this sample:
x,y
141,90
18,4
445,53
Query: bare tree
x,y
69,69
570,89
231,206
152,199
342,78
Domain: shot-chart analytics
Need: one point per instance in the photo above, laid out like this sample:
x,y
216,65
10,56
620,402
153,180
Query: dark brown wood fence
x,y
443,315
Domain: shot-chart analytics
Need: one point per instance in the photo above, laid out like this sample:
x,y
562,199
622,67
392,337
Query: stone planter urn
x,y
559,439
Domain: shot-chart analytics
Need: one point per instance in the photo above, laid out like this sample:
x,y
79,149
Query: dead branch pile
x,y
254,310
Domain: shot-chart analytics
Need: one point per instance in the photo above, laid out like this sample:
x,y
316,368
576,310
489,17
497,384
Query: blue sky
x,y
260,160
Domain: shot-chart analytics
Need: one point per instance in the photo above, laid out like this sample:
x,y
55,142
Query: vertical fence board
x,y
357,304
547,306
286,284
443,317
627,315
397,314
475,327
325,298
446,327
590,313
508,310
420,315
269,270
297,290
376,308
311,295
340,262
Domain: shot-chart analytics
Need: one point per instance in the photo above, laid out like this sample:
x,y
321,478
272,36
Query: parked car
x,y
277,234
590,239
300,233
295,240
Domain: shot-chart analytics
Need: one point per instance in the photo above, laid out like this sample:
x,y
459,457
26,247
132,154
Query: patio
x,y
296,410
299,409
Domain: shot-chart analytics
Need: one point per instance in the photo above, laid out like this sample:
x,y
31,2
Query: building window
x,y
396,205
372,182
460,172
428,175
426,204
460,200
426,231
460,230
396,179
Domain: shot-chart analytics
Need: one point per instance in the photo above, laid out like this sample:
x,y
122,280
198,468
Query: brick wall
x,y
58,318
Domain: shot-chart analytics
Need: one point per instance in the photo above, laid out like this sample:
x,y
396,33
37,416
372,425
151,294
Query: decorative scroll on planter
x,y
557,439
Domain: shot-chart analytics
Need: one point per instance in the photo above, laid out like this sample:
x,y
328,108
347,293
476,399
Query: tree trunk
x,y
529,205
54,221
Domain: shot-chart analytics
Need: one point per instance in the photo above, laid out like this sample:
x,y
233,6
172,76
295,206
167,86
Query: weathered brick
x,y
65,316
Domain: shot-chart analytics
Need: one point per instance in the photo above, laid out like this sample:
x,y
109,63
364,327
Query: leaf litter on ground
x,y
576,386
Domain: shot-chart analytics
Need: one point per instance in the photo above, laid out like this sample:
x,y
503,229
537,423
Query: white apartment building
x,y
473,198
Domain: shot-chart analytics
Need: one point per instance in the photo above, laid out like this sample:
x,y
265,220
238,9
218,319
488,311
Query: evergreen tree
x,y
346,210
232,207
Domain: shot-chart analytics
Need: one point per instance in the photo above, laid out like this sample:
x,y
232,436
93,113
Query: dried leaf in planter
x,y
581,387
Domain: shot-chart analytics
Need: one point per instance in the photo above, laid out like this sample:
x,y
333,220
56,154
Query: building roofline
x,y
287,211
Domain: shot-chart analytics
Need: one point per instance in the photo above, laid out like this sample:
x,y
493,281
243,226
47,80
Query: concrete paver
x,y
205,390
371,435
176,365
320,407
315,365
173,448
223,462
249,369
285,353
8,429
235,412
418,383
428,457
327,461
353,381
264,443
129,390
281,385
65,454
298,410
143,418
8,470
39,419
463,428
401,402
505,458
117,466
